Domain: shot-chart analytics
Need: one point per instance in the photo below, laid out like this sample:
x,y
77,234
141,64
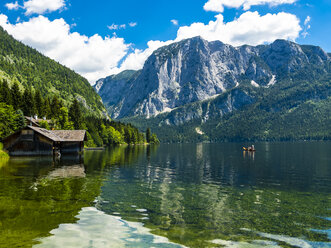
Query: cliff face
x,y
195,71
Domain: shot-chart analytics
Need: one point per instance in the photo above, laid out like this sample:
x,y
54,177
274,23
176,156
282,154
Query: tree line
x,y
15,103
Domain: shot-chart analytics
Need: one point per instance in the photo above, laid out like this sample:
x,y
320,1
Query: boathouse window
x,y
24,132
27,135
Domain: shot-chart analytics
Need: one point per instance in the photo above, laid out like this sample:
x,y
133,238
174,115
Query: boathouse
x,y
32,140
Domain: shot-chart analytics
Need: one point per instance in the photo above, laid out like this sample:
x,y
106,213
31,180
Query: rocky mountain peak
x,y
194,70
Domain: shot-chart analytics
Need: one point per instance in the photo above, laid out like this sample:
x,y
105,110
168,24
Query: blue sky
x,y
95,37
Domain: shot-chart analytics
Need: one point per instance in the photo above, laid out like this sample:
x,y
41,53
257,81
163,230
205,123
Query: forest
x,y
16,103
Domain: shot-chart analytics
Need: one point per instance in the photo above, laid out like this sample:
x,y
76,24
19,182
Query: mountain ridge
x,y
194,70
189,88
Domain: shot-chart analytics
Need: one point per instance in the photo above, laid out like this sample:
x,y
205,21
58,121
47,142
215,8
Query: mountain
x,y
30,68
209,91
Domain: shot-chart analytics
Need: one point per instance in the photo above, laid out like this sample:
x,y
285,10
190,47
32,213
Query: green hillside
x,y
29,68
33,84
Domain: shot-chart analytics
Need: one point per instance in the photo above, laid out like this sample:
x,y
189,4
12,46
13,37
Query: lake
x,y
176,195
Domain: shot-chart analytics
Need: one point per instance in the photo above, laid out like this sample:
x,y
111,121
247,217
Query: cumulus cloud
x,y
93,57
175,22
42,6
218,5
250,28
136,59
12,6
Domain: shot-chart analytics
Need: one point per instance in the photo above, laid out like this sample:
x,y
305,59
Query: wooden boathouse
x,y
32,141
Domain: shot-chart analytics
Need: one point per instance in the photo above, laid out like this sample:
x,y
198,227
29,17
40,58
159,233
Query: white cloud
x,y
250,28
307,20
175,22
117,26
12,6
218,5
136,59
93,57
306,27
133,24
42,6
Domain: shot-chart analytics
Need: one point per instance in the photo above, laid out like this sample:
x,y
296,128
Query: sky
x,y
103,37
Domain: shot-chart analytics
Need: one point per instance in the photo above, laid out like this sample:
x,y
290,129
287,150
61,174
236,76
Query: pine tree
x,y
28,103
46,109
38,103
55,107
19,119
64,119
148,135
16,96
5,93
75,115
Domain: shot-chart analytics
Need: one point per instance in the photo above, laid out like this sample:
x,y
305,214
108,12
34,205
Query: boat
x,y
250,148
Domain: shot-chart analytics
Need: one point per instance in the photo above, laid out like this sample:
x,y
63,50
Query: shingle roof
x,y
47,133
70,135
30,119
61,135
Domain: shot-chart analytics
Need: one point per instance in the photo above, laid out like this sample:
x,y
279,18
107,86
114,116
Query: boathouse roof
x,y
60,135
35,121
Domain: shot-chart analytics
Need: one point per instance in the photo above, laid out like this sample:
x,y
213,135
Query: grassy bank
x,y
2,153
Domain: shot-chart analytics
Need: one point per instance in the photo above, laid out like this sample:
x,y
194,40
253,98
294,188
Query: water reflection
x,y
38,194
195,195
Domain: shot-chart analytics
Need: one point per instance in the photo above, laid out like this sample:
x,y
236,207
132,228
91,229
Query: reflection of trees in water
x,y
36,196
194,214
117,156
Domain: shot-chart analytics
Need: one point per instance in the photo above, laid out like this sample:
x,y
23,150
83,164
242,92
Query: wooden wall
x,y
29,143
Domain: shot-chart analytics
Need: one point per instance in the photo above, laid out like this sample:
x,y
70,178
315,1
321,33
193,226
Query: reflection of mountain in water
x,y
194,194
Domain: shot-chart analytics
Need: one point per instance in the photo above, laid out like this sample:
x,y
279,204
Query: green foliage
x,y
28,103
75,115
5,95
3,155
148,135
106,132
63,121
39,103
90,142
16,96
10,120
111,136
39,86
154,139
44,124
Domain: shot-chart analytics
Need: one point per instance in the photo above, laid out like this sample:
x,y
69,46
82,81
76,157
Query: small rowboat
x,y
249,149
